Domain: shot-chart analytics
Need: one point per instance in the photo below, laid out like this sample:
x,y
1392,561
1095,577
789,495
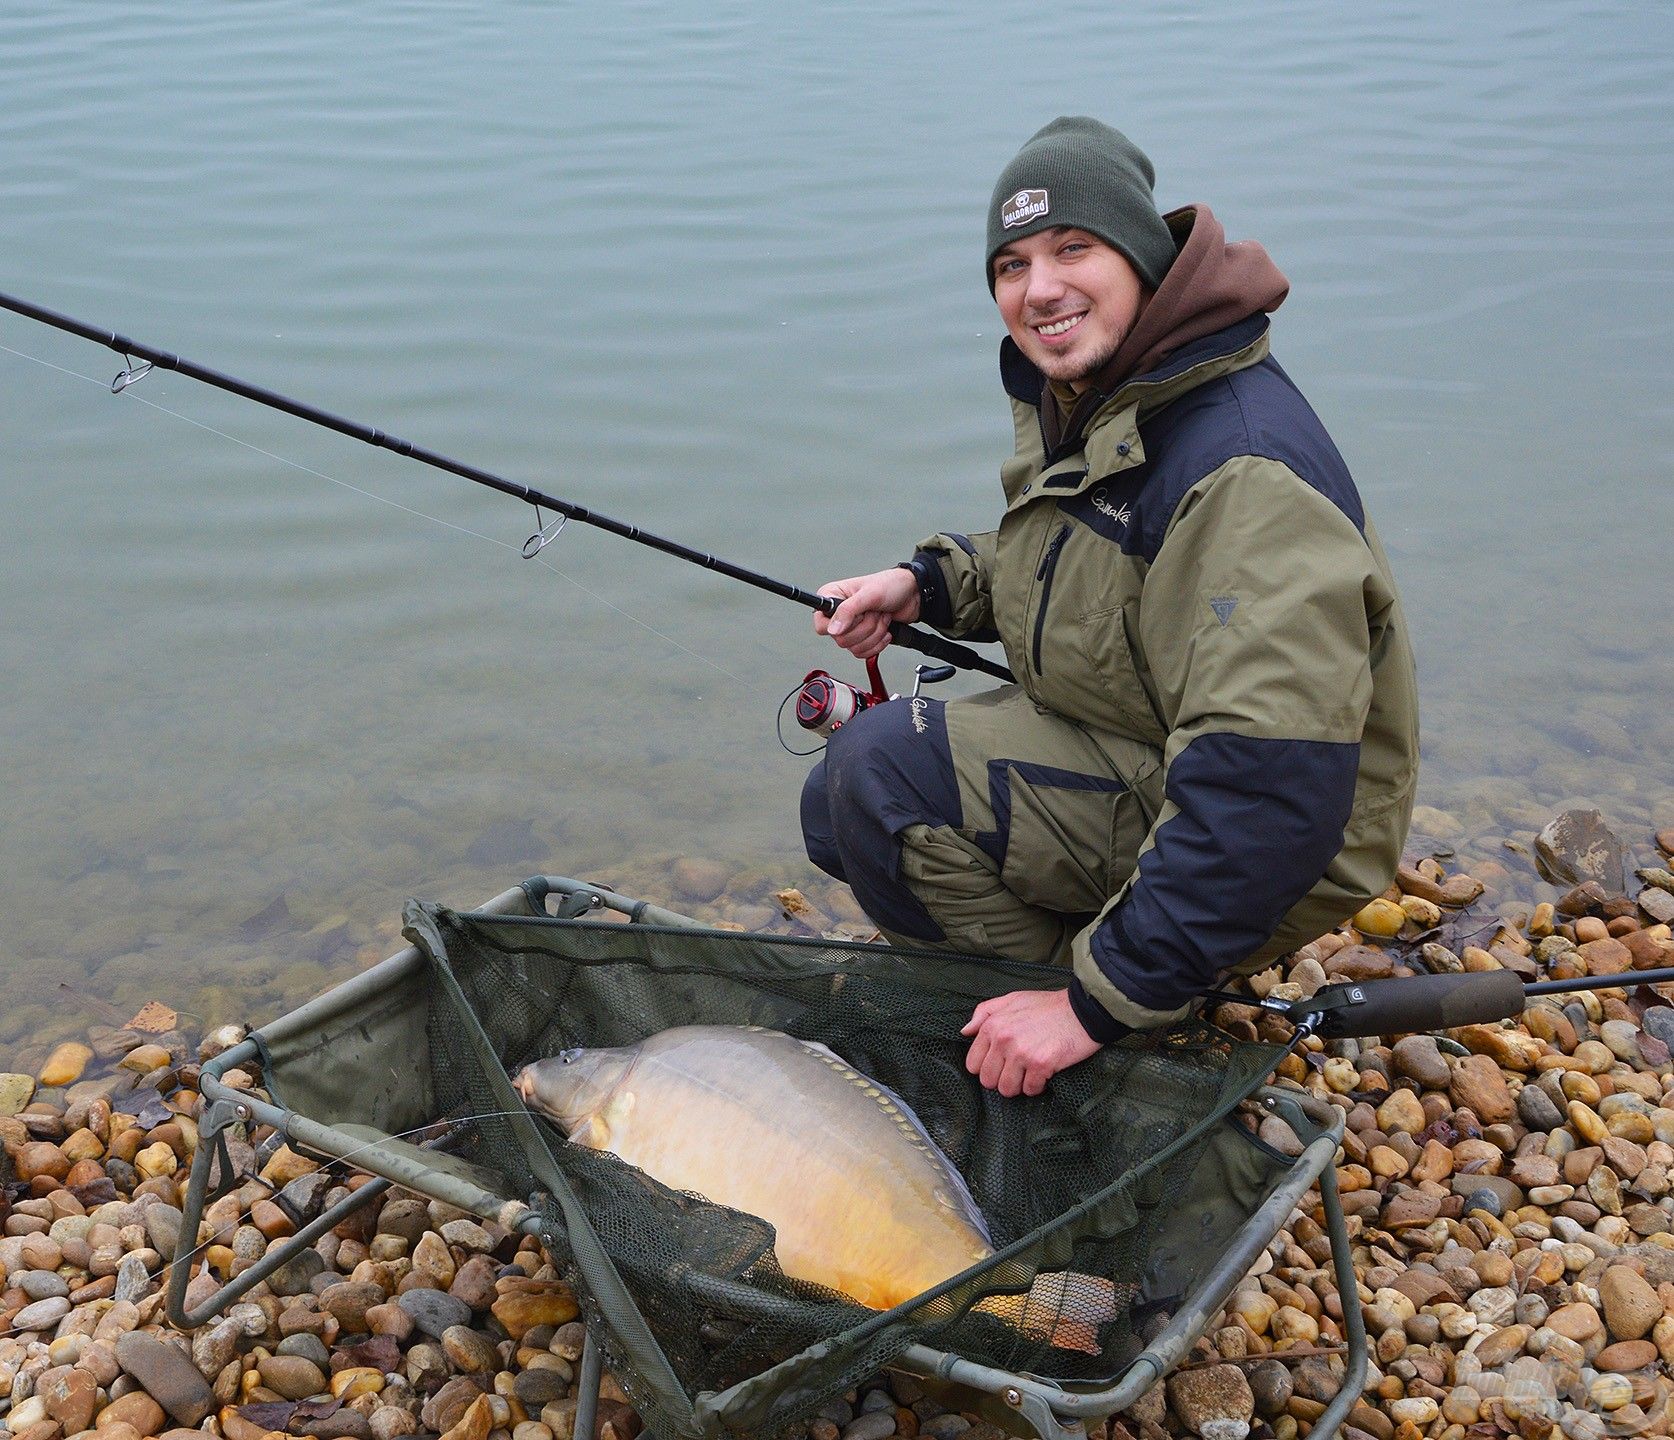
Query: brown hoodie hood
x,y
1210,285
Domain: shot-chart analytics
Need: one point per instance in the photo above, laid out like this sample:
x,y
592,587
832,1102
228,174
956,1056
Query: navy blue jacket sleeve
x,y
1256,633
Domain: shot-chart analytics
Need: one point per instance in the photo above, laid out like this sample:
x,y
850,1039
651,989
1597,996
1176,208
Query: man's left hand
x,y
1023,1039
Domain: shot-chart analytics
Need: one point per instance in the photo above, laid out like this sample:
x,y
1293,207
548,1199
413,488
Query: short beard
x,y
1066,371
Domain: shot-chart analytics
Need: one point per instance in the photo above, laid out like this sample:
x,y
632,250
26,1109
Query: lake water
x,y
716,269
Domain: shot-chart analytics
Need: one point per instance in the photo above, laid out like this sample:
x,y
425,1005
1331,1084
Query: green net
x,y
685,1297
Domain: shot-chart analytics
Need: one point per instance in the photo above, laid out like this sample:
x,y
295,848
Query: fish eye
x,y
569,1057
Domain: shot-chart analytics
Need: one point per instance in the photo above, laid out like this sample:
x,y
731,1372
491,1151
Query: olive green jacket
x,y
1195,571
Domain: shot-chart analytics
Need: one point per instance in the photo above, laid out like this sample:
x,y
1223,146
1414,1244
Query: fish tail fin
x,y
1062,1307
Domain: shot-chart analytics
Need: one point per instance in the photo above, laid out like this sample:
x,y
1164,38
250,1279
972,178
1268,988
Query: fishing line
x,y
538,556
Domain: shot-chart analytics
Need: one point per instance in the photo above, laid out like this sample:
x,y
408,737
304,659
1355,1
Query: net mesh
x,y
1072,1182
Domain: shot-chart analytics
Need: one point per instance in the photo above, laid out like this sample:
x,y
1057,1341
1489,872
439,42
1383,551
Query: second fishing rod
x,y
850,698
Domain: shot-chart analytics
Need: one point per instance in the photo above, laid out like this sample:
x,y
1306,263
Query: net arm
x,y
1028,1395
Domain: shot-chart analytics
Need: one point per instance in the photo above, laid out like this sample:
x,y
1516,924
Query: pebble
x,y
40,1284
874,1426
1537,1110
309,1347
1270,1386
468,1350
135,1409
1417,1057
41,1314
16,1091
1510,1185
66,1063
292,1377
520,1313
1631,1307
1214,1401
1626,1355
434,1311
168,1375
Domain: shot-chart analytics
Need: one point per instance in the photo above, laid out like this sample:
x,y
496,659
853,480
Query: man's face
x,y
1067,299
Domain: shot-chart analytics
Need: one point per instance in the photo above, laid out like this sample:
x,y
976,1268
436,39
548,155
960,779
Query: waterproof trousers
x,y
987,825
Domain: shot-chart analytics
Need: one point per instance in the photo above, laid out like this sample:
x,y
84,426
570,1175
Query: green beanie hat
x,y
1078,171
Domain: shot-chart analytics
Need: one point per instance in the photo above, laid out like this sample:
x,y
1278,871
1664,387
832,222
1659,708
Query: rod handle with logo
x,y
1414,1005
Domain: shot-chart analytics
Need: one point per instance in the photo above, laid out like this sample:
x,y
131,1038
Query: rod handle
x,y
950,652
1416,1004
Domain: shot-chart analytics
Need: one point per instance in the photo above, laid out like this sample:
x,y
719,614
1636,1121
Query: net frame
x,y
509,989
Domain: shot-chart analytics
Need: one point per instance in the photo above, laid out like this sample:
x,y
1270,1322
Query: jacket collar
x,y
1235,348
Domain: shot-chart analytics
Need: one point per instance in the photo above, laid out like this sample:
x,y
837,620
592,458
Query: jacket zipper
x,y
1048,565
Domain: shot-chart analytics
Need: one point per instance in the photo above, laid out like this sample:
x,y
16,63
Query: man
x,y
1210,754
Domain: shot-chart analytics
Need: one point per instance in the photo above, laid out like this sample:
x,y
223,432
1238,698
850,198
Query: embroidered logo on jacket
x,y
1120,514
1024,206
1223,606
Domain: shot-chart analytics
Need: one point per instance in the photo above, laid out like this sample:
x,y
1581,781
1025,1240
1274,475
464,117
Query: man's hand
x,y
870,603
1025,1038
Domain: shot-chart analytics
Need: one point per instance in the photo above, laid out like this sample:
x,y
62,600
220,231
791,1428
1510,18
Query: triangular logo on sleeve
x,y
1223,606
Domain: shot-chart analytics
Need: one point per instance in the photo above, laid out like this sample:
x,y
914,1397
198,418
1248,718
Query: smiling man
x,y
1210,755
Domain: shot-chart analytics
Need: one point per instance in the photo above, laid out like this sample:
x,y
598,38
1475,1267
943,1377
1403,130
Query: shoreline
x,y
1508,1189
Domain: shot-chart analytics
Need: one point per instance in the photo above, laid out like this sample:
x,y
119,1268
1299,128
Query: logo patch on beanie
x,y
1024,206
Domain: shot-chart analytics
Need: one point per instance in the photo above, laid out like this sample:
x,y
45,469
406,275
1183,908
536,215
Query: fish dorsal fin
x,y
912,1129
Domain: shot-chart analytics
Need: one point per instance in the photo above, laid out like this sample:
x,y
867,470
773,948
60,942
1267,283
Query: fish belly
x,y
759,1122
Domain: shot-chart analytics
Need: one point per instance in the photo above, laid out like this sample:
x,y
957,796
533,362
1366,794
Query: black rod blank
x,y
925,643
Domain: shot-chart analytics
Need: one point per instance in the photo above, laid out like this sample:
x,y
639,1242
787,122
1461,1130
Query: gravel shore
x,y
1508,1189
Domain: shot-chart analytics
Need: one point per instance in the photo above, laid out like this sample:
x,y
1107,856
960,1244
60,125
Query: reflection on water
x,y
717,273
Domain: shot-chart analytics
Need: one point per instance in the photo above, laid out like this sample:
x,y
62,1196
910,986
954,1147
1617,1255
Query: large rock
x,y
1631,1306
292,1376
444,1409
434,1311
42,1314
1478,1085
1215,1402
1578,846
70,1396
16,1091
168,1375
1418,1057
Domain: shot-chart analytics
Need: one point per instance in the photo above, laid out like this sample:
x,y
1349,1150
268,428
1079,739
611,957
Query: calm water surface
x,y
716,269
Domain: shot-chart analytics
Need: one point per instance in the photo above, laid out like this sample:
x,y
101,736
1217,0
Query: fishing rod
x,y
947,651
1418,1004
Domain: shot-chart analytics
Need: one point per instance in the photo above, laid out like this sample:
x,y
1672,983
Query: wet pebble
x,y
434,1311
166,1372
41,1314
291,1377
874,1426
41,1284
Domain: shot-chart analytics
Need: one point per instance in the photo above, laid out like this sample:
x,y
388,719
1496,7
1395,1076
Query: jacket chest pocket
x,y
1101,635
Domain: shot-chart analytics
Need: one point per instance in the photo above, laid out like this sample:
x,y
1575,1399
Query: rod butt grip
x,y
1419,1003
